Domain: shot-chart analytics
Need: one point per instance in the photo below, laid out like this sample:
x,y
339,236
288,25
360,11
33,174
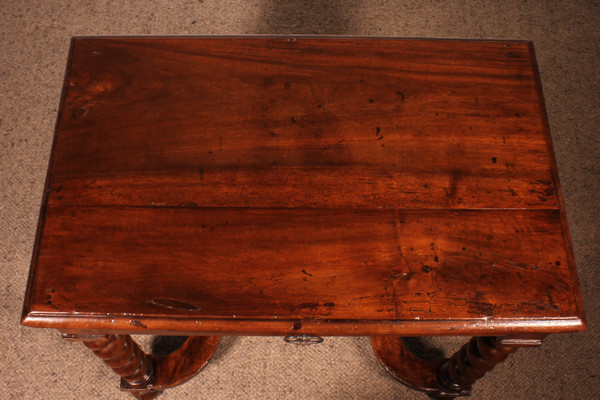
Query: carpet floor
x,y
34,40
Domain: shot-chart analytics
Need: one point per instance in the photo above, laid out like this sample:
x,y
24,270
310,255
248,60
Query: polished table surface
x,y
327,186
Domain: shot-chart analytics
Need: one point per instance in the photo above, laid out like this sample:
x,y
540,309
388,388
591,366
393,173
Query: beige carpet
x,y
34,39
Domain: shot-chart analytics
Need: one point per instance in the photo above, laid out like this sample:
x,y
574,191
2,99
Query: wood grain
x,y
328,186
304,264
304,123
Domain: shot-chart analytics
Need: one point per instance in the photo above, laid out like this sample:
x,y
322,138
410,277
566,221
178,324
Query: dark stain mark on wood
x,y
268,81
79,112
48,298
550,298
174,304
494,160
306,273
297,326
311,306
454,178
482,308
543,188
427,269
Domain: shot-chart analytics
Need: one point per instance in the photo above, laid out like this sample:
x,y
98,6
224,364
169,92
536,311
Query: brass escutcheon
x,y
303,340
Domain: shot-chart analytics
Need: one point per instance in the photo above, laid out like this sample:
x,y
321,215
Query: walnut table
x,y
303,187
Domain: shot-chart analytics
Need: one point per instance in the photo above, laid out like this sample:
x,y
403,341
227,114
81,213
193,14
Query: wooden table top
x,y
333,186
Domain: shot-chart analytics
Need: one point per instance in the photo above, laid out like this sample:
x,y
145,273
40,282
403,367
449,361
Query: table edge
x,y
557,184
302,36
269,327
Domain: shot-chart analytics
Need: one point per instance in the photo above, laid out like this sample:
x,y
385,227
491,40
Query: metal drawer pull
x,y
303,340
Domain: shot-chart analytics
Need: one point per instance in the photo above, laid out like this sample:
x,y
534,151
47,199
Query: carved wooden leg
x,y
146,376
126,358
471,362
446,378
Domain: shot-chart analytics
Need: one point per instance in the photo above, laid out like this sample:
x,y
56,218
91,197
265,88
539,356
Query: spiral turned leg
x,y
471,362
126,358
453,377
146,376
